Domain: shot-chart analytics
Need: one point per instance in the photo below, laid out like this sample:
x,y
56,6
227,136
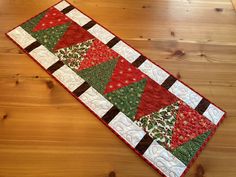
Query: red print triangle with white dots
x,y
154,98
51,19
96,54
75,34
189,124
124,74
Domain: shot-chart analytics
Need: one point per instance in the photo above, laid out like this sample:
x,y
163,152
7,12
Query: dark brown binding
x,y
110,114
202,106
55,66
81,89
67,9
144,144
32,46
113,42
139,61
89,25
169,82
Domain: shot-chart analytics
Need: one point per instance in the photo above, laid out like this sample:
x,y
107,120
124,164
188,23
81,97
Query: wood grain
x,y
45,132
234,4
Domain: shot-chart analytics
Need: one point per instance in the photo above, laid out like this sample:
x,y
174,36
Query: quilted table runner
x,y
160,118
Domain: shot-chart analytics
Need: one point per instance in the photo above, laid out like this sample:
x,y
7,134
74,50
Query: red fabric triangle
x,y
96,54
153,99
123,75
51,19
75,34
189,124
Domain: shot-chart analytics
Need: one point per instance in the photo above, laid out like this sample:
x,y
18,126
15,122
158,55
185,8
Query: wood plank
x,y
234,4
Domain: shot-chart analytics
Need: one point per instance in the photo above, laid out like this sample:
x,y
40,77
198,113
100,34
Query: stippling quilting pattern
x,y
165,121
68,78
168,164
127,129
95,101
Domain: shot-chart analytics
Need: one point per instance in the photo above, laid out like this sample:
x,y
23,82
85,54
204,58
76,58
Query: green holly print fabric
x,y
187,151
160,124
74,55
98,76
29,25
127,98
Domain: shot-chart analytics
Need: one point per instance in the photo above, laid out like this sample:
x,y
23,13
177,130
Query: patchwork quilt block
x,y
163,120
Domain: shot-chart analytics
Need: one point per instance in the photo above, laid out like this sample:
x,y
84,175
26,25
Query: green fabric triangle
x,y
73,55
127,98
98,76
50,36
186,152
29,25
160,124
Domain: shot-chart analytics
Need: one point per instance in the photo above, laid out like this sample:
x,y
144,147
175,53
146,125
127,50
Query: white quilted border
x,y
127,129
163,160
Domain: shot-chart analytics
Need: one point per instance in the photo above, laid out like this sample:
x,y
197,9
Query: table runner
x,y
159,117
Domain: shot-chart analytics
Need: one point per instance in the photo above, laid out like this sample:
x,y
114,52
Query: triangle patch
x,y
187,151
159,125
99,75
153,99
50,36
75,34
189,124
97,53
29,25
124,74
52,18
127,98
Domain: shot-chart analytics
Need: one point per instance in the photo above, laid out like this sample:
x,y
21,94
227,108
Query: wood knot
x,y
20,52
172,33
203,55
112,174
5,116
36,76
219,9
179,53
200,171
50,84
140,36
178,75
17,82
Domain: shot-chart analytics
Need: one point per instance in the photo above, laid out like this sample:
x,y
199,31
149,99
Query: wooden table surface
x,y
45,132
